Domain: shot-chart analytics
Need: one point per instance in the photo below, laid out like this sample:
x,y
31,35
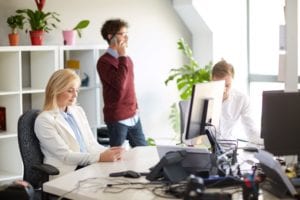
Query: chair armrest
x,y
47,169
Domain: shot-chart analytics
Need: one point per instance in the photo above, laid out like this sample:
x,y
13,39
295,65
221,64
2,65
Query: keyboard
x,y
219,182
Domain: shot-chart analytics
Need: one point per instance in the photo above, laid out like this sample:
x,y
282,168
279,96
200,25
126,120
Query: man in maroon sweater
x,y
116,73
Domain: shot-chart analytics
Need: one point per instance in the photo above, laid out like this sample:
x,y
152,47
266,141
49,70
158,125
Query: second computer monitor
x,y
280,122
204,109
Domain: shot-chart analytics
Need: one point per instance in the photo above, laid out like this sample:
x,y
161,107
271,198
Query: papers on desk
x,y
274,171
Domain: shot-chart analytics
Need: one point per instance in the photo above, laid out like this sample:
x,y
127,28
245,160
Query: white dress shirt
x,y
236,111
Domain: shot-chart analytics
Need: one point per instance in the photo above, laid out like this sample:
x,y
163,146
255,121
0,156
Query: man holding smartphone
x,y
116,73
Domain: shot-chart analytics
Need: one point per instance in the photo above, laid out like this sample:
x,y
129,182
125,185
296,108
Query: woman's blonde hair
x,y
58,83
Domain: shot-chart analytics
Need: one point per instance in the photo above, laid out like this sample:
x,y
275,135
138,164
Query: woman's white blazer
x,y
58,142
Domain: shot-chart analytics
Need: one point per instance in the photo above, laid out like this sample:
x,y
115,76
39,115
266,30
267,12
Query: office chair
x,y
35,172
183,110
103,136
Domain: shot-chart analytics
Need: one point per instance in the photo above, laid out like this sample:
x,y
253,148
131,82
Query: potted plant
x,y
185,77
69,35
15,22
39,22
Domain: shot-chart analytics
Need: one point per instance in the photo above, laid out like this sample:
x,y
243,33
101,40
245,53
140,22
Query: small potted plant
x,y
15,22
39,22
69,35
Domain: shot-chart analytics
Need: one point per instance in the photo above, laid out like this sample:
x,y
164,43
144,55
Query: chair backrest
x,y
30,149
183,108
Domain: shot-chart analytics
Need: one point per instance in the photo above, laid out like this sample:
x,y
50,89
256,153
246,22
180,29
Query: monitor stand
x,y
221,154
216,147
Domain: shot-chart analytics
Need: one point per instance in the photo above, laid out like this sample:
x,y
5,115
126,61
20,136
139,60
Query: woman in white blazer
x,y
63,130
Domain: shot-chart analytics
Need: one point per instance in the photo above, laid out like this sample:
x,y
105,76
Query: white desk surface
x,y
95,177
90,183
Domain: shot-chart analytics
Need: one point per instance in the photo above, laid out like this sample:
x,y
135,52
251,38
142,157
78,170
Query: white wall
x,y
154,30
227,21
202,35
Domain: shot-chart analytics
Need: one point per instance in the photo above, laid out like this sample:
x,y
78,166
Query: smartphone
x,y
114,40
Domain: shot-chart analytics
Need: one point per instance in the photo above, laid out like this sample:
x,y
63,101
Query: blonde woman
x,y
63,130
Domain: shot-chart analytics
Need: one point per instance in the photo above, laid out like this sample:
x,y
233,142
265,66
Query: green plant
x,y
174,118
189,74
185,77
150,142
81,25
40,20
15,22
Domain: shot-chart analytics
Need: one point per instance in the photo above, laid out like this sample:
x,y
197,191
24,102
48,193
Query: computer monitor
x,y
280,122
204,109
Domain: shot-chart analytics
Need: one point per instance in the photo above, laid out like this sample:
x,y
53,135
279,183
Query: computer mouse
x,y
132,174
250,149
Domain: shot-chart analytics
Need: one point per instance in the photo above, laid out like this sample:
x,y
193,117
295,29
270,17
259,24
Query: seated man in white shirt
x,y
235,108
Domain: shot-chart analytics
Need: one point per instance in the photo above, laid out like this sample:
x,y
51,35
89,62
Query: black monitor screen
x,y
280,122
204,108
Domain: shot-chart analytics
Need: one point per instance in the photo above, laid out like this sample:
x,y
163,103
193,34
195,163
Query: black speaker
x,y
169,168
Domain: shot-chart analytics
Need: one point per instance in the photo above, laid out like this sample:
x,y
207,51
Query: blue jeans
x,y
118,133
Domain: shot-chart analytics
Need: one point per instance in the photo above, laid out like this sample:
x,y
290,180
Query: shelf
x,y
32,90
27,48
4,135
8,176
2,92
87,88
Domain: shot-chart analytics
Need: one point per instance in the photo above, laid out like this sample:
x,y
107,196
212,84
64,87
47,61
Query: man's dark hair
x,y
112,27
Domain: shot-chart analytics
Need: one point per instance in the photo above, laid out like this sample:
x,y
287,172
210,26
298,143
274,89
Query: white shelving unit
x,y
24,72
23,75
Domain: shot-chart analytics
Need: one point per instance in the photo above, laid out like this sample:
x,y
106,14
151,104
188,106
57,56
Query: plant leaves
x,y
82,24
189,74
174,118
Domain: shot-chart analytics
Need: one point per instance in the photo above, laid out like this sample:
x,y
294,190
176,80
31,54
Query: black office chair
x,y
35,172
103,136
183,110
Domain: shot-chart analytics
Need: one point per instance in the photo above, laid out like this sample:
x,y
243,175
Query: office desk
x,y
90,183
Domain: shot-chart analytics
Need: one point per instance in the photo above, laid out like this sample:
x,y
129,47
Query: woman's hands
x,y
112,154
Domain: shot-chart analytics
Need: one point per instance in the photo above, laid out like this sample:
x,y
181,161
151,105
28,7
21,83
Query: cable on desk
x,y
158,188
79,185
88,183
169,191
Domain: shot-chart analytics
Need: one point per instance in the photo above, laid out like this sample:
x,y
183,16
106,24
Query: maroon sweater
x,y
117,79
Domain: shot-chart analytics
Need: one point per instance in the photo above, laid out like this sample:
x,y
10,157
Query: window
x,y
266,19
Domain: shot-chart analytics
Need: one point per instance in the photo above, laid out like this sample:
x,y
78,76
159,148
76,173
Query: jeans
x,y
118,133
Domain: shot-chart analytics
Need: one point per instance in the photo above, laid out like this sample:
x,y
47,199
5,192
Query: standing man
x,y
235,108
115,69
